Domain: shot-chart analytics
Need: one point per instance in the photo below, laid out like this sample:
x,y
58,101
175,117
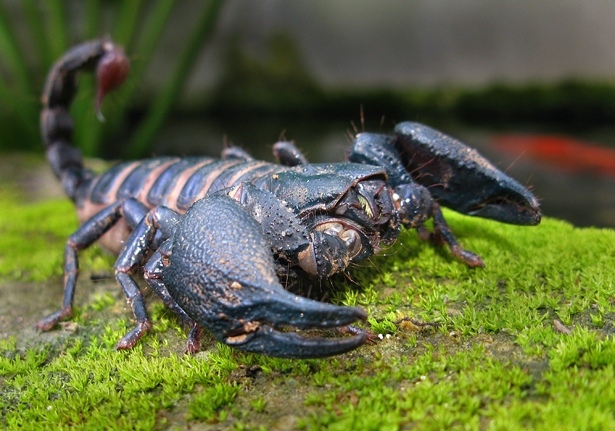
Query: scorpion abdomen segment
x,y
165,184
217,175
201,180
172,182
104,187
221,174
142,177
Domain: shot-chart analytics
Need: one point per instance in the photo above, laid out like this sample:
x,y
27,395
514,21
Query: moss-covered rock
x,y
526,342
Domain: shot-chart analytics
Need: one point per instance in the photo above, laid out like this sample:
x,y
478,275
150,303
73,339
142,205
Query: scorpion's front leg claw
x,y
268,341
260,336
221,272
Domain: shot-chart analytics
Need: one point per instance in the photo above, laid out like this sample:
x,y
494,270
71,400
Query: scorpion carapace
x,y
214,236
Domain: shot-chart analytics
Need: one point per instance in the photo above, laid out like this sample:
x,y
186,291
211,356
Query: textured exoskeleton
x,y
214,236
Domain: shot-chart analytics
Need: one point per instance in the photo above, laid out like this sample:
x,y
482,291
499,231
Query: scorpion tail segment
x,y
460,178
60,89
221,272
101,55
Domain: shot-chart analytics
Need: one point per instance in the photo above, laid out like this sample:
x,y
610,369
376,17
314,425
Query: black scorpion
x,y
214,236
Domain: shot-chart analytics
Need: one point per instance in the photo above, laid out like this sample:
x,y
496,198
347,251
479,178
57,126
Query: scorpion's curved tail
x,y
111,66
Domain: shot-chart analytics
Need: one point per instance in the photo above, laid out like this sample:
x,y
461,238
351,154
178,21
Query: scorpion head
x,y
361,221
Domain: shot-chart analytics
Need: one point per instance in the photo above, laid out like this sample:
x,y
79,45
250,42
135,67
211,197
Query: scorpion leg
x,y
288,154
85,236
416,206
140,242
221,271
442,233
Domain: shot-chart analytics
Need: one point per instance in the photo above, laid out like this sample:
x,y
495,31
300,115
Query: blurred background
x,y
530,84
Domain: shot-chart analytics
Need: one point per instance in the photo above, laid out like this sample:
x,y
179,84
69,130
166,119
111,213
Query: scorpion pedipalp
x,y
220,252
289,345
462,179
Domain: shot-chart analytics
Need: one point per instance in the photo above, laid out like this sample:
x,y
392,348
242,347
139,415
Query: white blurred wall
x,y
430,42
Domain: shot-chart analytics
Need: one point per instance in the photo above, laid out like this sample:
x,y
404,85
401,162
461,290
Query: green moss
x,y
525,342
33,236
87,384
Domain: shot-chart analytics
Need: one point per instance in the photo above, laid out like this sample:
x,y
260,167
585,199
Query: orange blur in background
x,y
563,152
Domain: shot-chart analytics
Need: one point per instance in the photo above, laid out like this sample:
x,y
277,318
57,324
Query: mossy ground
x,y
525,343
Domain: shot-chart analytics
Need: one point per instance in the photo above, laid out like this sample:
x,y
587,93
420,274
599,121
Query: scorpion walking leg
x,y
442,232
137,246
85,236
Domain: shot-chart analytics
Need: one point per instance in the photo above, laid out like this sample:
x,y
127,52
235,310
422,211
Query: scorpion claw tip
x,y
255,331
268,341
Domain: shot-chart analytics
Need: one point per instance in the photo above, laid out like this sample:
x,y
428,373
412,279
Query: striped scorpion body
x,y
214,236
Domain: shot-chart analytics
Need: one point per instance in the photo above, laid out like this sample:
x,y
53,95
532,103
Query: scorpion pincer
x,y
214,237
